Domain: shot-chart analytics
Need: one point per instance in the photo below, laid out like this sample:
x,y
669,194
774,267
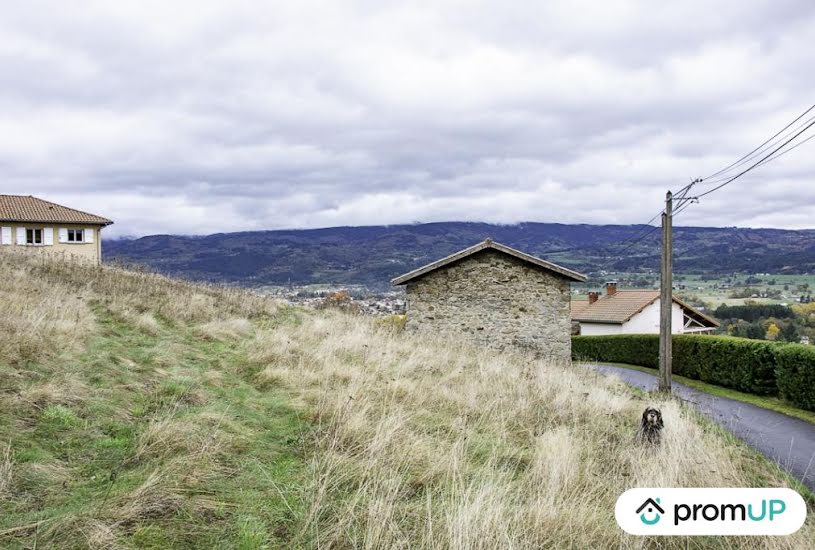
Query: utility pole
x,y
666,298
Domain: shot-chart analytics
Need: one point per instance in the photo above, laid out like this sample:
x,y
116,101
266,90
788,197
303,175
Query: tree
x,y
789,332
339,300
754,331
773,331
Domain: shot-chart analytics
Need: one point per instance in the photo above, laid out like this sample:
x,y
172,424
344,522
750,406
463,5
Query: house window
x,y
76,235
33,236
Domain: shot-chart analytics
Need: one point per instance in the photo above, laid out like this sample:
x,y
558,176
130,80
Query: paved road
x,y
788,441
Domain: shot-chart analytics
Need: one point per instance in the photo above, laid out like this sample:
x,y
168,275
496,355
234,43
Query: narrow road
x,y
788,441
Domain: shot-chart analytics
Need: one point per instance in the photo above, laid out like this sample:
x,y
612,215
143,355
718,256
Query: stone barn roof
x,y
491,245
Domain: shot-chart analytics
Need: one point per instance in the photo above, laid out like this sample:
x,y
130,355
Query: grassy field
x,y
717,290
712,293
141,412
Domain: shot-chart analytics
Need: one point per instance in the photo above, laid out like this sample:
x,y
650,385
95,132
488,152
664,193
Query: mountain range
x,y
372,255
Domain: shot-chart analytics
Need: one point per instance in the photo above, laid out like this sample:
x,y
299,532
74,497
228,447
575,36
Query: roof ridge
x,y
33,209
607,310
62,206
483,245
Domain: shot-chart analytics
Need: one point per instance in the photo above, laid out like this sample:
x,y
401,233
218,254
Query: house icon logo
x,y
650,506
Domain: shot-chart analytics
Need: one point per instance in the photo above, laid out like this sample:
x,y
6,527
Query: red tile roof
x,y
622,306
19,208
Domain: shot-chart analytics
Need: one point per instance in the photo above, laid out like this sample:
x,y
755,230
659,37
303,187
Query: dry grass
x,y
38,318
147,412
227,329
429,444
6,471
122,420
46,306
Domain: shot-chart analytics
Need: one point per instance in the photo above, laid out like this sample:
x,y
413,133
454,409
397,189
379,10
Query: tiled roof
x,y
578,306
624,304
490,244
19,208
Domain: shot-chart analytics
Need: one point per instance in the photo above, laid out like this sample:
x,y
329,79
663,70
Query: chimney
x,y
611,288
593,296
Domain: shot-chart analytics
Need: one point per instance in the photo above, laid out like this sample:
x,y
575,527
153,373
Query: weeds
x,y
139,411
424,443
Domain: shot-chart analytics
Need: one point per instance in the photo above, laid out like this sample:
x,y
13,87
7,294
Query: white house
x,y
35,226
635,312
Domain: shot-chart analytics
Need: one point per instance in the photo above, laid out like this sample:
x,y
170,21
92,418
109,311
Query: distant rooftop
x,y
25,208
621,306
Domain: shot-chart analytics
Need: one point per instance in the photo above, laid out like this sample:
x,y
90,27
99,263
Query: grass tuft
x,y
140,411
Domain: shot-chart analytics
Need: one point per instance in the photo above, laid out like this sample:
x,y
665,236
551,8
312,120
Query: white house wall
x,y
599,329
645,322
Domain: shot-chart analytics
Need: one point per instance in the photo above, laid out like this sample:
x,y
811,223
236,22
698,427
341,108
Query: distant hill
x,y
373,255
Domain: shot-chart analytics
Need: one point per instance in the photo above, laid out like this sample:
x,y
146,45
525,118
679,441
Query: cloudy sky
x,y
200,117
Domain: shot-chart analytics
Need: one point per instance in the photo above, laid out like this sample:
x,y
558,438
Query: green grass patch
x,y
154,440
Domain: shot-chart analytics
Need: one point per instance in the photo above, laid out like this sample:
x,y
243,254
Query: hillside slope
x,y
373,255
137,411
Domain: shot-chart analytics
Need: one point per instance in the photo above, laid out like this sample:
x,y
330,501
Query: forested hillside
x,y
371,256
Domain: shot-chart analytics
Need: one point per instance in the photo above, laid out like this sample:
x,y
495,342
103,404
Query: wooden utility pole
x,y
666,298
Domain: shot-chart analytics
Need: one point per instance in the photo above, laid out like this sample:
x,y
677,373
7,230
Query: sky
x,y
203,117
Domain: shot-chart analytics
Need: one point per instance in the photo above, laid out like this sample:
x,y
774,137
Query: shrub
x,y
795,374
394,323
754,312
738,363
634,349
340,300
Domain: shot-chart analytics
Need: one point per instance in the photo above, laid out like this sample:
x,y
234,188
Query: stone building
x,y
496,296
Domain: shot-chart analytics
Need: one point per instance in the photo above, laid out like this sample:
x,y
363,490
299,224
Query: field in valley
x,y
715,290
138,411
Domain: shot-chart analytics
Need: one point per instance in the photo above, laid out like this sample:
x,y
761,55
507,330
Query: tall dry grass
x,y
46,304
416,442
425,443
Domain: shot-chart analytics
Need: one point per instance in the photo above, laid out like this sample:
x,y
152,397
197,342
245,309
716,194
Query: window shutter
x,y
5,235
88,235
48,236
21,235
63,235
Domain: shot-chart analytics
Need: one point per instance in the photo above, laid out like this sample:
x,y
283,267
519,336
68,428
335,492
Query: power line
x,y
627,248
684,206
746,157
638,237
684,201
779,155
759,163
725,176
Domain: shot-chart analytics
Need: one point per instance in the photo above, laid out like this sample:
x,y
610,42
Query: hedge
x,y
796,374
751,366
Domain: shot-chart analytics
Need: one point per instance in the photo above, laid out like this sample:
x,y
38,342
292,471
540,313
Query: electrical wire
x,y
749,155
759,163
681,197
725,175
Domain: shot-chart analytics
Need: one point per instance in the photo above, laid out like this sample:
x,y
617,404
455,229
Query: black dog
x,y
650,431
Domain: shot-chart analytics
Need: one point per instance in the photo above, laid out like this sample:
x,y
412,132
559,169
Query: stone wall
x,y
495,300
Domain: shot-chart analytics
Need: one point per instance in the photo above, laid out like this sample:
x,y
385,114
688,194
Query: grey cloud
x,y
199,117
